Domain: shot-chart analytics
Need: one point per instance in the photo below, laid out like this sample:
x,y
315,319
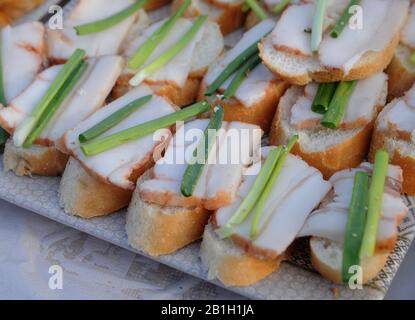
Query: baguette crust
x,y
347,154
232,16
369,64
162,230
38,160
401,73
260,113
371,266
82,194
230,264
407,163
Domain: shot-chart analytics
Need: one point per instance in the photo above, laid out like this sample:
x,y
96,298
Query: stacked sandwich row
x,y
158,117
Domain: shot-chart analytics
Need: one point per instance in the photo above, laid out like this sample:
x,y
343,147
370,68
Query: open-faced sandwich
x,y
115,146
334,40
401,71
12,9
228,14
246,240
96,28
172,56
199,173
355,229
334,121
241,84
58,99
395,132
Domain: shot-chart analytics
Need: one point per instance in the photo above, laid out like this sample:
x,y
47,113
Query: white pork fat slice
x,y
88,95
382,22
117,165
367,96
408,33
23,54
62,43
234,146
331,219
297,191
176,71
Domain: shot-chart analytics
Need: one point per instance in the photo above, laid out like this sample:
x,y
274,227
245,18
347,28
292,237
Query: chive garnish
x,y
55,104
377,186
240,76
104,24
232,67
28,124
98,146
318,22
270,184
413,58
338,104
323,97
113,119
146,49
344,19
249,202
281,6
257,9
194,171
170,53
355,224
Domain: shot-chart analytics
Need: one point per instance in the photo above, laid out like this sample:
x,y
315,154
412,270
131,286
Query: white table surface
x,y
94,269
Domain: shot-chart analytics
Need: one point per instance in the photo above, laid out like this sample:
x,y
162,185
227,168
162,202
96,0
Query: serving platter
x,y
294,280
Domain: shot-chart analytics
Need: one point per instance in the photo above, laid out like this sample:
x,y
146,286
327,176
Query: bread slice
x,y
160,230
82,194
204,54
301,71
327,258
230,264
229,17
401,73
37,160
327,150
260,114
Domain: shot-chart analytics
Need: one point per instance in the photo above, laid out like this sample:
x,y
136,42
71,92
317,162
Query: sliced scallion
x,y
377,186
113,119
355,224
344,19
170,53
232,67
270,184
194,170
323,97
257,9
28,124
318,22
240,76
338,104
104,24
55,104
100,145
413,58
147,48
281,6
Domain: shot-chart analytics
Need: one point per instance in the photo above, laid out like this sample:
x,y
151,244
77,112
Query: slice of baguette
x,y
401,152
204,54
230,264
327,150
229,17
82,194
401,73
160,230
38,160
301,71
327,257
260,114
